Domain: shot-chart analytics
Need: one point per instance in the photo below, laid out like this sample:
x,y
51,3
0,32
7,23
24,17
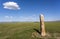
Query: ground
x,y
24,30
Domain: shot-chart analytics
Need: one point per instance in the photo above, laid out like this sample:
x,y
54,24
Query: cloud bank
x,y
8,17
11,5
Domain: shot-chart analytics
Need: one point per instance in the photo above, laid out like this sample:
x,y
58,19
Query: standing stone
x,y
42,26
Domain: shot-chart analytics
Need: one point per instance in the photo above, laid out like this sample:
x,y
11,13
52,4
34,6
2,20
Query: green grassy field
x,y
24,30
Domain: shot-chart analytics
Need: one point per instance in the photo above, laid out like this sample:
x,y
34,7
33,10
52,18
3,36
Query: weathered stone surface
x,y
42,26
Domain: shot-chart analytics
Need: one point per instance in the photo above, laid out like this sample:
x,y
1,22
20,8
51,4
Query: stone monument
x,y
42,26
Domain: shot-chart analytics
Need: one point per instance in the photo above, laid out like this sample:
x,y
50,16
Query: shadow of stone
x,y
37,31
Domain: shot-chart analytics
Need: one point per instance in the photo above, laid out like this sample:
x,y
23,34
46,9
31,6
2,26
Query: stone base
x,y
37,35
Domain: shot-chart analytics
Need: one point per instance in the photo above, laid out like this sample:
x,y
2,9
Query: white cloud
x,y
6,16
21,18
29,18
11,5
9,17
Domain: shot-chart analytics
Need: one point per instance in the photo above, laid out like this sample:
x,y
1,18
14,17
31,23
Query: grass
x,y
24,30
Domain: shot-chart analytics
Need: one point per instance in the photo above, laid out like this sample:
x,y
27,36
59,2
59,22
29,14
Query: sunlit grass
x,y
23,30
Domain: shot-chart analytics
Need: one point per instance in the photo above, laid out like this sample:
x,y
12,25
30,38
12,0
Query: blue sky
x,y
29,10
